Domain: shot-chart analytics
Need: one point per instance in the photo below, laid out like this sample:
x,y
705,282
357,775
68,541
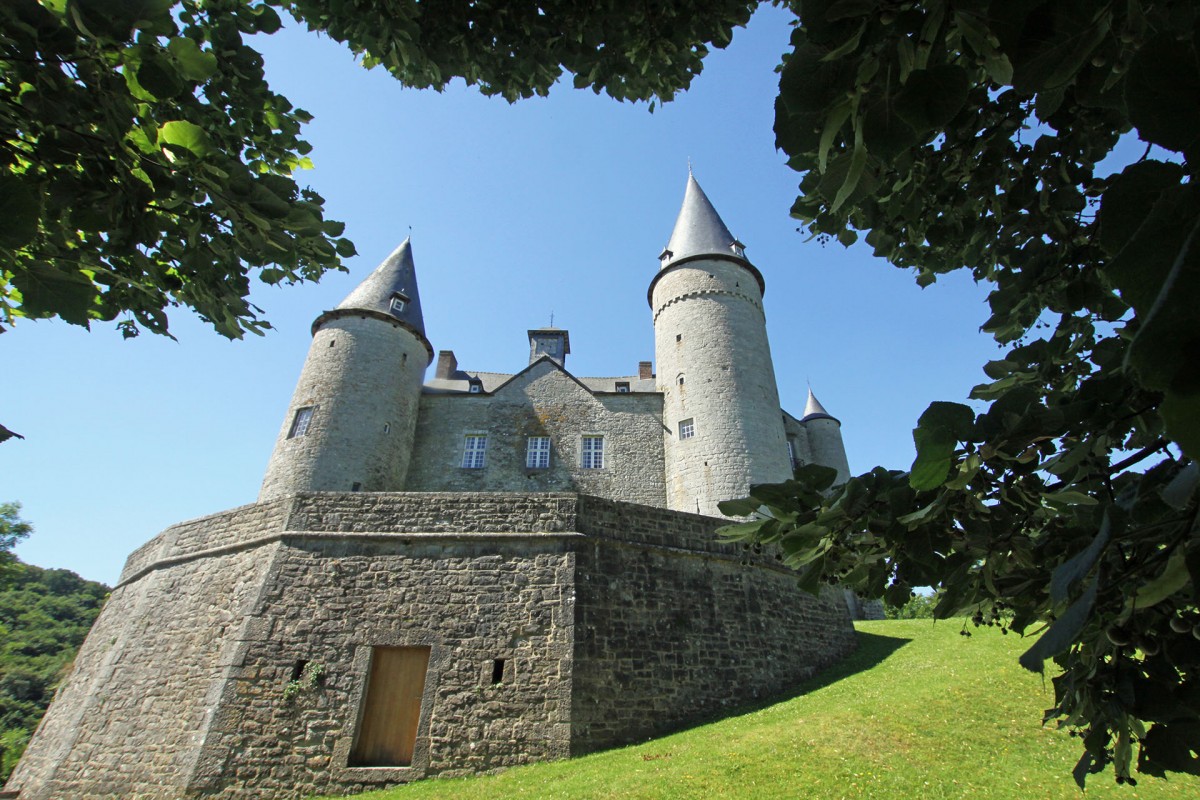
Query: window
x,y
593,452
398,303
537,452
791,451
623,387
681,380
301,422
474,451
687,428
476,388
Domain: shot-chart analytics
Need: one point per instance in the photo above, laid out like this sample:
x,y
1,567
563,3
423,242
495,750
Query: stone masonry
x,y
614,622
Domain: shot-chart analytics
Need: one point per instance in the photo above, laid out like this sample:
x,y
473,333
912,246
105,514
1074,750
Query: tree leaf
x,y
1161,92
192,62
1077,566
937,434
20,212
1062,633
932,97
1173,578
48,291
188,135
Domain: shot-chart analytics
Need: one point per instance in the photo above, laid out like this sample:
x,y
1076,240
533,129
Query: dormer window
x,y
623,387
475,386
738,248
398,304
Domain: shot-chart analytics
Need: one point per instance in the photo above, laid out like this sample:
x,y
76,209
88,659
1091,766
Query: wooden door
x,y
387,733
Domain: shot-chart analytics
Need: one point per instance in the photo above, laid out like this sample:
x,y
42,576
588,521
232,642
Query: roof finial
x,y
551,319
689,166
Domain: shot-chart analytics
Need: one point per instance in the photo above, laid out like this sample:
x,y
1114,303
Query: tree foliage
x,y
44,616
145,163
12,530
970,134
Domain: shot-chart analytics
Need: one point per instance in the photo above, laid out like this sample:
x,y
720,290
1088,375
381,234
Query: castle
x,y
459,574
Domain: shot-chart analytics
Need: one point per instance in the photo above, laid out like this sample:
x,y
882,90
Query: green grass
x,y
917,712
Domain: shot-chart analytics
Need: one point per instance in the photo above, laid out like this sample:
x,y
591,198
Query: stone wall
x,y
543,401
133,715
674,626
613,622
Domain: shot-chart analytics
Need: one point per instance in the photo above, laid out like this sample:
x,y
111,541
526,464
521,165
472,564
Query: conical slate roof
x,y
814,410
699,229
393,280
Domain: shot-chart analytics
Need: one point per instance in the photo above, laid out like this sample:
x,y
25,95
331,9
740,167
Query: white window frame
x,y
622,387
537,452
687,428
398,303
591,451
474,451
301,422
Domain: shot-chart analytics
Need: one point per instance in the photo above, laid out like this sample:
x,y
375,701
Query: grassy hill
x,y
918,712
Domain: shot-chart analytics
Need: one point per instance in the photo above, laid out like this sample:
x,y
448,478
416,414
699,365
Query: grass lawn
x,y
917,712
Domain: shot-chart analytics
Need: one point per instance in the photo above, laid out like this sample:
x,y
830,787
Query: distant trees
x,y
44,616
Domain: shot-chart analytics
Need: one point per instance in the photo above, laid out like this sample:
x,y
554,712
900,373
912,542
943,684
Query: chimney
x,y
644,372
447,364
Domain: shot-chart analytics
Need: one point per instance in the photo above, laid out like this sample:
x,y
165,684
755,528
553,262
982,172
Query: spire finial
x,y
551,319
690,166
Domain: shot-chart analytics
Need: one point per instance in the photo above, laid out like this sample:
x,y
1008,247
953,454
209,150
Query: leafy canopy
x,y
146,164
969,134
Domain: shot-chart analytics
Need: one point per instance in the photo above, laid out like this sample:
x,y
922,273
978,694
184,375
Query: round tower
x,y
724,426
353,416
824,433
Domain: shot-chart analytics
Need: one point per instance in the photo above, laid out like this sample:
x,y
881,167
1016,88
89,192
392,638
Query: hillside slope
x,y
918,712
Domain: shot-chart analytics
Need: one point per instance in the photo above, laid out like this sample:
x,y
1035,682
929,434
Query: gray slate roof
x,y
814,410
460,383
699,229
397,275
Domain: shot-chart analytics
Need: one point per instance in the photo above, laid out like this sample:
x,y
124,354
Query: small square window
x,y
398,304
300,422
687,428
537,452
623,387
476,389
474,451
593,452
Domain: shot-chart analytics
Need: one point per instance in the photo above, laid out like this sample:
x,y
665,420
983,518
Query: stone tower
x,y
825,444
723,425
352,418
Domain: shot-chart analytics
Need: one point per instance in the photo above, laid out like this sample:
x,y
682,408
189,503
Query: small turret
x,y
824,434
720,401
352,418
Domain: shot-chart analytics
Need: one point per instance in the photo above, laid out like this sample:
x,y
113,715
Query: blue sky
x,y
553,205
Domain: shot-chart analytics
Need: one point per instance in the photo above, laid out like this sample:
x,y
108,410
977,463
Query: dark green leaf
x,y
1161,92
20,210
932,97
937,434
1062,633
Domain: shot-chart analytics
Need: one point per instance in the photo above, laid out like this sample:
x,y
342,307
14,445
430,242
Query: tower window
x,y
679,337
537,452
681,380
687,428
623,387
398,304
387,427
593,452
497,671
300,422
474,451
